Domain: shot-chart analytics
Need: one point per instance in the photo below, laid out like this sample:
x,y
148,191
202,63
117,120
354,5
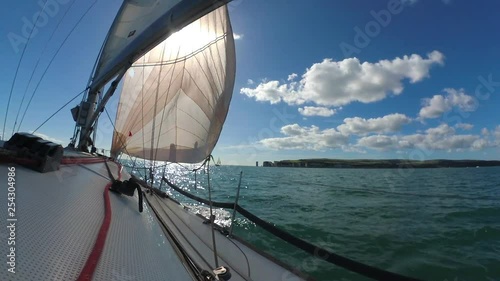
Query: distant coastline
x,y
381,163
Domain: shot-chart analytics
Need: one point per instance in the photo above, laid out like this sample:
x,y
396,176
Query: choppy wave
x,y
432,224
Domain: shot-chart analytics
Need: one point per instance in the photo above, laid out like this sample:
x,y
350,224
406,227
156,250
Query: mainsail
x,y
175,98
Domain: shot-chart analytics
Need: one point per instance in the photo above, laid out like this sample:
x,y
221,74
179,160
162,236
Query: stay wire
x,y
52,60
57,111
212,218
123,144
17,70
114,130
37,63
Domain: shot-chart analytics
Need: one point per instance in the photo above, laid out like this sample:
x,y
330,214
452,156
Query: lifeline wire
x,y
17,70
50,117
52,60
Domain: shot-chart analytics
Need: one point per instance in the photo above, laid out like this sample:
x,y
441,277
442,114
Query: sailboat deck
x,y
59,215
244,262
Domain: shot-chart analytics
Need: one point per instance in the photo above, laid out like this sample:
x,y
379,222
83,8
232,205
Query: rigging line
x,y
52,60
314,250
212,219
17,69
97,59
190,169
96,123
162,205
159,166
162,175
123,143
115,131
244,255
38,62
50,117
142,112
75,130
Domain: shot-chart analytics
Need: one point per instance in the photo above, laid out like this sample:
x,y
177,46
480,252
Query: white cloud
x,y
496,135
427,142
292,77
337,83
441,130
464,126
270,91
238,36
317,111
240,146
306,138
380,142
250,82
362,126
439,104
442,137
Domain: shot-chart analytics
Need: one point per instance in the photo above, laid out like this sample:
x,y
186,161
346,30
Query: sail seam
x,y
184,58
166,101
197,86
148,98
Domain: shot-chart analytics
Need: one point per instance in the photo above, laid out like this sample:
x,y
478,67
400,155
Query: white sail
x,y
175,98
142,24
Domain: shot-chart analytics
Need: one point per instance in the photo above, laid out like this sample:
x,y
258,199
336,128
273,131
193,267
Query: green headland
x,y
381,163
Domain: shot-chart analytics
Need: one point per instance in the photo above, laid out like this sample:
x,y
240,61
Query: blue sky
x,y
337,79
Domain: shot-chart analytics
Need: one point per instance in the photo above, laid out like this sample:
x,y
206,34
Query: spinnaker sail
x,y
175,98
139,26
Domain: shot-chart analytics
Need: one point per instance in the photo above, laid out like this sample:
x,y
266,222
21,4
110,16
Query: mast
x,y
95,109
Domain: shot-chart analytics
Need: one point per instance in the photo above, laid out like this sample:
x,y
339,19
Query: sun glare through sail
x,y
180,90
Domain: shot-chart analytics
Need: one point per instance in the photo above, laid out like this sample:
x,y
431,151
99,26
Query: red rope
x,y
64,161
92,261
20,161
82,160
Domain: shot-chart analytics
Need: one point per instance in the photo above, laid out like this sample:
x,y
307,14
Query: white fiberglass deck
x,y
245,263
59,215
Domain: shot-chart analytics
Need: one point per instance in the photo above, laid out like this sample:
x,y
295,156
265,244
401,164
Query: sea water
x,y
431,224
